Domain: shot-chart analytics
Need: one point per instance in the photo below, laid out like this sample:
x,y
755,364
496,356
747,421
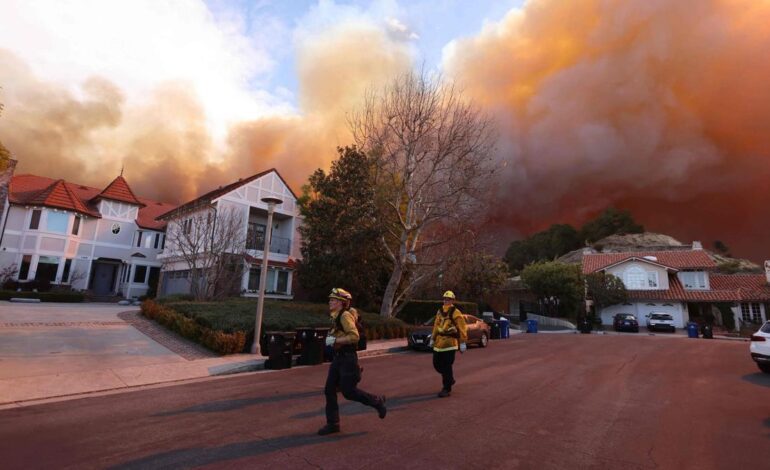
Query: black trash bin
x,y
313,343
303,335
494,332
707,331
280,345
584,325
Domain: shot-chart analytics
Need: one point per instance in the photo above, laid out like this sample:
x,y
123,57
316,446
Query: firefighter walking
x,y
344,371
449,334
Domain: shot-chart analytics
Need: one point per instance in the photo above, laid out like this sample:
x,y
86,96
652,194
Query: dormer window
x,y
636,278
76,226
693,279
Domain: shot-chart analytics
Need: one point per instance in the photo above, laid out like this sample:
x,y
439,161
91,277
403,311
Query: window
x,y
186,226
652,279
636,278
65,275
34,222
163,242
57,222
283,282
26,261
750,313
76,225
255,238
693,279
254,279
46,268
139,238
140,274
157,240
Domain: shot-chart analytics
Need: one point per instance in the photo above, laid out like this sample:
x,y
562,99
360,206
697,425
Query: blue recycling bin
x,y
692,330
504,325
531,326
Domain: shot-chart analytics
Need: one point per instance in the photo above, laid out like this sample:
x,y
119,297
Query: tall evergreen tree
x,y
341,231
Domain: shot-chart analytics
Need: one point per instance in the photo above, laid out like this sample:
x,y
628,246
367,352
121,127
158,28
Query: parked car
x,y
625,322
760,348
478,333
660,321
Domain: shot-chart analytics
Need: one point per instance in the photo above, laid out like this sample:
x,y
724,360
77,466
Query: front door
x,y
104,278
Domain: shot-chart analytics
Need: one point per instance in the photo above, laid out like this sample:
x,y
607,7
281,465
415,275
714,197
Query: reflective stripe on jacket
x,y
448,335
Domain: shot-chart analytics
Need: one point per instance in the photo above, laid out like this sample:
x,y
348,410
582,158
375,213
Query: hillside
x,y
649,241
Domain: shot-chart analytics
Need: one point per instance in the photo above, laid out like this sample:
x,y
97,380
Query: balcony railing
x,y
279,245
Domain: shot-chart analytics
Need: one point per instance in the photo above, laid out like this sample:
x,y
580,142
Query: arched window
x,y
635,278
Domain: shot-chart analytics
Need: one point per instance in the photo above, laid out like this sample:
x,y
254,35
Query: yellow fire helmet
x,y
340,294
449,295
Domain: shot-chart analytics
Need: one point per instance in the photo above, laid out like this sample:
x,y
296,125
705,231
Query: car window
x,y
625,316
662,316
765,328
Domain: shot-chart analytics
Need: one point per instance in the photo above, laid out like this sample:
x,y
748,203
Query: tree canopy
x,y
341,231
606,289
557,286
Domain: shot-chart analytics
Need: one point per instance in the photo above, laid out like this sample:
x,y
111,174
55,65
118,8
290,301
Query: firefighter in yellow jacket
x,y
449,334
343,371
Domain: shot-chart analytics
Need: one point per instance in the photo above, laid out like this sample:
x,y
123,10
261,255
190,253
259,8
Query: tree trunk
x,y
386,310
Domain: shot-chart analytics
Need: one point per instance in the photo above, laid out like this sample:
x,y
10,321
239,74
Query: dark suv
x,y
625,322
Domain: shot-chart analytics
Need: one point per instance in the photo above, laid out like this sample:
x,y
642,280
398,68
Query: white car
x,y
660,321
760,348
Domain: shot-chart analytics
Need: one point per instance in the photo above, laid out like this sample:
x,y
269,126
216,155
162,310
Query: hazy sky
x,y
658,106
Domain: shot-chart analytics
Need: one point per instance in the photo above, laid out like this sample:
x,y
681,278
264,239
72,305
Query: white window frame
x,y
635,278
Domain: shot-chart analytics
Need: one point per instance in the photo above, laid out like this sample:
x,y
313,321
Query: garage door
x,y
674,310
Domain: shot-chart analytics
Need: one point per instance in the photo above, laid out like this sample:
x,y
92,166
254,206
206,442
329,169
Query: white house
x,y
243,197
104,241
683,284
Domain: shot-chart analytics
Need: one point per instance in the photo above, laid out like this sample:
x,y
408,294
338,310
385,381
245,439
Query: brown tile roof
x,y
751,287
119,190
690,259
221,191
60,194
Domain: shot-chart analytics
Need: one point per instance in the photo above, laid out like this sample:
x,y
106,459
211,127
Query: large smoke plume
x,y
661,107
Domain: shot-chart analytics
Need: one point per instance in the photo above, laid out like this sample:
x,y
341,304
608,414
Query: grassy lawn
x,y
278,315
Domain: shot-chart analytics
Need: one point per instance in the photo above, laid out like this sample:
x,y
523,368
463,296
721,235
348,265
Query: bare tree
x,y
8,273
432,152
211,242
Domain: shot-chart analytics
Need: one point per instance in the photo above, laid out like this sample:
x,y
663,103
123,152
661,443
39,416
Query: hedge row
x,y
70,297
419,311
217,341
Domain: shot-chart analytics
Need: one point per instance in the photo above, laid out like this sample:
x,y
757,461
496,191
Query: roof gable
x,y
211,196
119,190
58,195
680,259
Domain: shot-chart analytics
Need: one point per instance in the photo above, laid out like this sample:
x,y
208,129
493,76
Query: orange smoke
x,y
656,106
163,141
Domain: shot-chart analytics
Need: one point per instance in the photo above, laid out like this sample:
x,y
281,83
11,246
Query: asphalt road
x,y
534,401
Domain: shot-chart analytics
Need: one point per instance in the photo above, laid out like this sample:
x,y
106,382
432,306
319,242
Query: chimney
x,y
696,245
767,271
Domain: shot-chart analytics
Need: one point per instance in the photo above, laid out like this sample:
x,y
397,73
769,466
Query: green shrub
x,y
418,311
69,297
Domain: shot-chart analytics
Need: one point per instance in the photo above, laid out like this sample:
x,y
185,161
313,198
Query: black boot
x,y
329,429
444,393
381,409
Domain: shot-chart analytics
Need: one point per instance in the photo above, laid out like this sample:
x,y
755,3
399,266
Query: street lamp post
x,y
271,202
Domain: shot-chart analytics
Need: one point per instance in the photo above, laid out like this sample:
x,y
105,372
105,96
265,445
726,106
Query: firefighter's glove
x,y
330,340
463,347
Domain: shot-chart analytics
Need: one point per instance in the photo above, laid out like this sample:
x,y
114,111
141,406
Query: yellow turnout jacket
x,y
448,332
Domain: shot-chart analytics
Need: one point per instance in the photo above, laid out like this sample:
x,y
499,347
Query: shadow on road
x,y
349,408
229,405
759,378
196,457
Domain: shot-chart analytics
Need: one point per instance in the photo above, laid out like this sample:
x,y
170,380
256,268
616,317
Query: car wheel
x,y
764,368
483,341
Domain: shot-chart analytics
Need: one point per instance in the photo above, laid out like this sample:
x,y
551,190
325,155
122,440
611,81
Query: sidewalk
x,y
24,391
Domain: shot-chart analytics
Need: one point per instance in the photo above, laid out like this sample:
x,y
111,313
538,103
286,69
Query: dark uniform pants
x,y
442,362
344,372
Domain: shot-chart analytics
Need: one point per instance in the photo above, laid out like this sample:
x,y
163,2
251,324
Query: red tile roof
x,y
685,259
60,194
221,191
119,190
724,288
